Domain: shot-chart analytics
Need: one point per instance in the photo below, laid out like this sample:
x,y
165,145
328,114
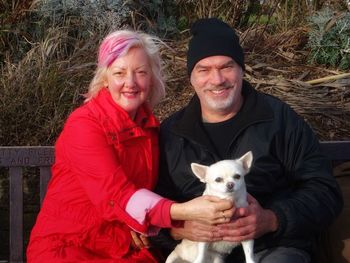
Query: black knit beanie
x,y
213,37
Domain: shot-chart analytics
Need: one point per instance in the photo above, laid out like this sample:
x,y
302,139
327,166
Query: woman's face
x,y
129,80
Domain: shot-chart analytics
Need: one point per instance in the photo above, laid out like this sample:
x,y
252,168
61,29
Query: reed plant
x,y
48,50
48,59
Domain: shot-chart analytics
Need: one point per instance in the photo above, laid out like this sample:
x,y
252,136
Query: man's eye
x,y
117,73
218,179
200,70
228,67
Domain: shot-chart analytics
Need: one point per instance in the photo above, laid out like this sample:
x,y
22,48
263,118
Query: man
x,y
293,193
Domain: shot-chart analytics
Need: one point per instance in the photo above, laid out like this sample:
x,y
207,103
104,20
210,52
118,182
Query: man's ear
x,y
199,171
247,160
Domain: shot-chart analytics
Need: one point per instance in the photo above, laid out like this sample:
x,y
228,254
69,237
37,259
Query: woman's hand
x,y
208,209
139,241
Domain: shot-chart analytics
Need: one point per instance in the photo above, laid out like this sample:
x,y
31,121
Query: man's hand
x,y
249,223
196,231
139,241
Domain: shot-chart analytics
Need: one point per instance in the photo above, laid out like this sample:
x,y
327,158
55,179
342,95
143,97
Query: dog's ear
x,y
247,160
199,171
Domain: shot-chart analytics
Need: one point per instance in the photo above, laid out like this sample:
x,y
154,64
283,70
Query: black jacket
x,y
289,175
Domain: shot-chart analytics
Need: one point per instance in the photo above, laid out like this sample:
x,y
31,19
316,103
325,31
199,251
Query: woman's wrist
x,y
177,211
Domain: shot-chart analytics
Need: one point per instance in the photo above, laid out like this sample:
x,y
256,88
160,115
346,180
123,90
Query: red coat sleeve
x,y
96,165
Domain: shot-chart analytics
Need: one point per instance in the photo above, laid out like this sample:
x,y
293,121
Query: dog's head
x,y
224,177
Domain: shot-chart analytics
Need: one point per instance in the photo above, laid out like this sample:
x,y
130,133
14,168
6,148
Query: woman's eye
x,y
117,73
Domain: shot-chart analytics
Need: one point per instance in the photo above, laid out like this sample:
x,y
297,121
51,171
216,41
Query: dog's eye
x,y
218,179
237,176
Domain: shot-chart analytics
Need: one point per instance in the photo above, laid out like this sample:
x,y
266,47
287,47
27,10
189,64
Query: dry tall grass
x,y
39,91
47,62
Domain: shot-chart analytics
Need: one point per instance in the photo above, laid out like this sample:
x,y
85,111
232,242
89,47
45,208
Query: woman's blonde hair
x,y
117,44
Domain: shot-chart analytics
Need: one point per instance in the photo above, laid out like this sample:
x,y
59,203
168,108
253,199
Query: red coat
x,y
103,159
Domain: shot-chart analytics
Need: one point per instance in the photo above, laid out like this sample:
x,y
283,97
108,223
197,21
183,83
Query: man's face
x,y
217,81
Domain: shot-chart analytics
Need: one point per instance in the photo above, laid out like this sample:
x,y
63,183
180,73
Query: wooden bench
x,y
16,158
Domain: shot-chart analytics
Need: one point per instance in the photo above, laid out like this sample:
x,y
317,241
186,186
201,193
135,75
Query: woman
x,y
106,164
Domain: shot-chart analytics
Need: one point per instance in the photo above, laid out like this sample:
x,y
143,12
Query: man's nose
x,y
216,77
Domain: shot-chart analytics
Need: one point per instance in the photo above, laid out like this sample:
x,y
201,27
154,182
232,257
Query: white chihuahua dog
x,y
224,179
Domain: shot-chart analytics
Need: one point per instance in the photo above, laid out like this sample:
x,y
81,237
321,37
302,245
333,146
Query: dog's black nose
x,y
230,185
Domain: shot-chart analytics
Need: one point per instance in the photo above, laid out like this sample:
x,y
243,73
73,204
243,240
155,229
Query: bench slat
x,y
336,150
16,214
45,175
26,156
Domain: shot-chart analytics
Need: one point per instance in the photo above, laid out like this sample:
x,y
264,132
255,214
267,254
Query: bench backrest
x,y
15,158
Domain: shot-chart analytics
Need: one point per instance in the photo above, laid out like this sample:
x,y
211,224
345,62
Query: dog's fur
x,y
224,179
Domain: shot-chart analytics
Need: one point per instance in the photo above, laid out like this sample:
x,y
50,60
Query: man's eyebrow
x,y
229,63
201,66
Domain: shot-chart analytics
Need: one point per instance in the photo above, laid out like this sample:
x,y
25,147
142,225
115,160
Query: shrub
x,y
156,16
44,74
329,39
85,17
45,71
230,11
39,91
